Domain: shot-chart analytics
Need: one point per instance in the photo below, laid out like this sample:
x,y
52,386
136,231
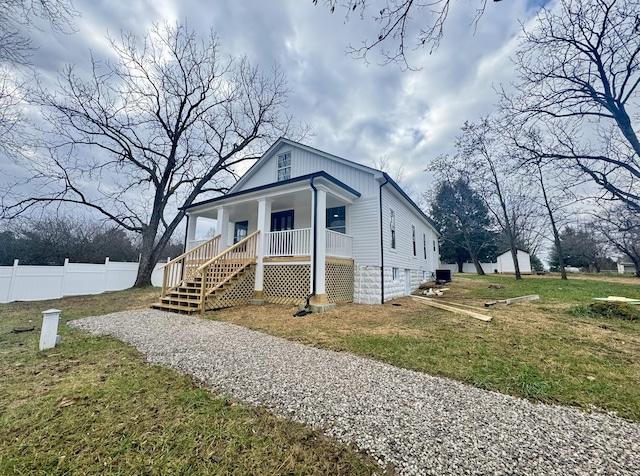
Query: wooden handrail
x,y
194,249
180,269
228,251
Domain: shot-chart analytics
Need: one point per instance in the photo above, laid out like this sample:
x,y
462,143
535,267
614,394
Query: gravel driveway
x,y
421,424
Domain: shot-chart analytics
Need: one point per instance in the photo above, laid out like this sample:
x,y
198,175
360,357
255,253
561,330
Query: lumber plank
x,y
531,297
457,304
432,303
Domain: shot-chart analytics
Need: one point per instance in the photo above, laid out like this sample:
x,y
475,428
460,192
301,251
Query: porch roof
x,y
282,184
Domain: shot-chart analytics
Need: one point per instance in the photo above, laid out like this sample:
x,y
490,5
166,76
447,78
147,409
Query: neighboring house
x,y
308,227
626,267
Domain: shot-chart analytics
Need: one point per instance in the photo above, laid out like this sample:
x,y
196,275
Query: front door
x,y
282,220
240,231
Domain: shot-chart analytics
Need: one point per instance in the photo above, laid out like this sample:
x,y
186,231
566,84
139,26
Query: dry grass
x,y
544,350
93,405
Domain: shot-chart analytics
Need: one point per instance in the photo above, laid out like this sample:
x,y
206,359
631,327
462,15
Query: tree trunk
x,y
460,266
476,263
554,228
148,257
145,269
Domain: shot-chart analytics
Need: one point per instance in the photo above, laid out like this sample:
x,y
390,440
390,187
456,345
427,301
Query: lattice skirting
x,y
286,283
239,291
339,282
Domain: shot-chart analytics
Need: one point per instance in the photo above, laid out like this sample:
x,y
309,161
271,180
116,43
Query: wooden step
x,y
177,300
174,308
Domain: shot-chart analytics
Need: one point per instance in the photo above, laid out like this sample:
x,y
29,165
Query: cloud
x,y
360,112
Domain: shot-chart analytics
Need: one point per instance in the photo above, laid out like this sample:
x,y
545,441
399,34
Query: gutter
x,y
315,241
386,181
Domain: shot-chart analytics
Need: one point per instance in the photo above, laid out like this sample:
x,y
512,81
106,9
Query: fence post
x,y
106,274
12,283
64,277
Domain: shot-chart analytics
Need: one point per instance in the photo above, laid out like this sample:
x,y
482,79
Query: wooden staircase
x,y
192,283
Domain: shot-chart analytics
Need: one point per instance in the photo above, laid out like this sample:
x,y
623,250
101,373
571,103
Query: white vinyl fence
x,y
35,283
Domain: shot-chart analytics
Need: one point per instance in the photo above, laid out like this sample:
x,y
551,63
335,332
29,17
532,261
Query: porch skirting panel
x,y
240,293
286,283
339,280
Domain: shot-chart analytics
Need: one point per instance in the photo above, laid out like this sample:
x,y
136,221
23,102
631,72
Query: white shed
x,y
505,262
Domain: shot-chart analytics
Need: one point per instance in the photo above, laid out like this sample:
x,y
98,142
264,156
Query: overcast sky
x,y
360,112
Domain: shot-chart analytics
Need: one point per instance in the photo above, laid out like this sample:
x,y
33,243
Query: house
x,y
303,226
626,267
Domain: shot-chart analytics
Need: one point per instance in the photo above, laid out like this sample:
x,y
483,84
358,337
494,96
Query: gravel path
x,y
421,424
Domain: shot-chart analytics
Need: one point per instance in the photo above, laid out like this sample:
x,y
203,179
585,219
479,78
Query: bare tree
x,y
579,70
620,225
168,120
556,195
482,159
397,19
18,17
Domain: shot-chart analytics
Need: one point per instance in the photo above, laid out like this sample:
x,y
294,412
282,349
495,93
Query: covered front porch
x,y
303,248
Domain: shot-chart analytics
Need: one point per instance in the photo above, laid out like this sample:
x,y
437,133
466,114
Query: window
x,y
395,274
282,220
336,219
392,226
434,245
424,276
424,244
413,237
284,166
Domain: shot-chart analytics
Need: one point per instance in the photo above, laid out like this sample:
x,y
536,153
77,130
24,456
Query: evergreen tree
x,y
463,219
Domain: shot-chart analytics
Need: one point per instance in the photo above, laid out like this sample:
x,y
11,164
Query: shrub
x,y
615,310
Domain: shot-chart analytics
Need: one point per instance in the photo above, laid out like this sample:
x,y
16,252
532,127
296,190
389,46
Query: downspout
x,y
386,181
315,246
186,236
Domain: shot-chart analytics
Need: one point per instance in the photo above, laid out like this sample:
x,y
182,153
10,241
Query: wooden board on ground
x,y
531,297
432,303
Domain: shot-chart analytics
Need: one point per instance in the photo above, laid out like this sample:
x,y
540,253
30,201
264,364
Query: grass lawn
x,y
553,350
94,405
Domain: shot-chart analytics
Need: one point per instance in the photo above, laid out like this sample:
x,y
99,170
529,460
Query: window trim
x,y
279,169
424,244
413,236
392,228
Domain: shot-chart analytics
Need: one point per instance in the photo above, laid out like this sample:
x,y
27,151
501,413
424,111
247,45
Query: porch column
x,y
320,246
191,231
222,225
264,213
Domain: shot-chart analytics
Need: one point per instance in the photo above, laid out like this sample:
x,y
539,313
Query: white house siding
x,y
305,162
402,257
363,224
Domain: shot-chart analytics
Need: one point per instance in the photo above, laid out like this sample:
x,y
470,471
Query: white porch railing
x,y
298,243
288,242
338,244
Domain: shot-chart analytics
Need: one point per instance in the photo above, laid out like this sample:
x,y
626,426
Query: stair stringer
x,y
235,292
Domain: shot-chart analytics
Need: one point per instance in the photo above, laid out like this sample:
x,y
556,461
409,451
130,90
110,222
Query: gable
x,y
306,160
